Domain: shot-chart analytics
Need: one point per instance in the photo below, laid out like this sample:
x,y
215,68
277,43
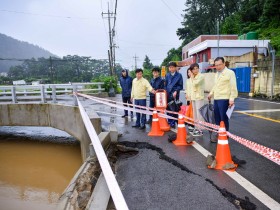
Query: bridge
x,y
164,176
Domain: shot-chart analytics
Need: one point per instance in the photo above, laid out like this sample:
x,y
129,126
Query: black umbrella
x,y
174,105
207,112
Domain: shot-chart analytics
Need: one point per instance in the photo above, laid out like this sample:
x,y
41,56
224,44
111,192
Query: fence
x,y
45,92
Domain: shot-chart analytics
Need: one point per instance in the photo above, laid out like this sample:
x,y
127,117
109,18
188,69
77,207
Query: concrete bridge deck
x,y
163,176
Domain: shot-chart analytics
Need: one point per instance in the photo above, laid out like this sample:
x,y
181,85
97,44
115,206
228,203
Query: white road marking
x,y
251,188
263,110
256,192
272,102
108,113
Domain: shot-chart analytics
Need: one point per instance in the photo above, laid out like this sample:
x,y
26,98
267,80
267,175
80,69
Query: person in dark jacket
x,y
126,85
157,83
173,86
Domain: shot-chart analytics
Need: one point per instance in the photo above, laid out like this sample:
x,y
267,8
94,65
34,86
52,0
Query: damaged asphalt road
x,y
165,176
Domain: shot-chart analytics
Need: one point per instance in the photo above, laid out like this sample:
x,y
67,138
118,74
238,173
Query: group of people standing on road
x,y
224,92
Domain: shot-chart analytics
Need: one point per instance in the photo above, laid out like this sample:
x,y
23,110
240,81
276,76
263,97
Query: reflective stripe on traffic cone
x,y
223,156
164,126
155,131
181,139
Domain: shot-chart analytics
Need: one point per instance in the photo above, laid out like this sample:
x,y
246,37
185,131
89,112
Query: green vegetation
x,y
172,55
53,70
201,17
108,82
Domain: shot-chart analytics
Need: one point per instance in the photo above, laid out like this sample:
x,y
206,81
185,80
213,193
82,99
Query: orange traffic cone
x,y
181,139
155,131
164,126
223,156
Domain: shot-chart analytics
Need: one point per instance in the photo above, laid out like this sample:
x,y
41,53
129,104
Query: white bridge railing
x,y
44,92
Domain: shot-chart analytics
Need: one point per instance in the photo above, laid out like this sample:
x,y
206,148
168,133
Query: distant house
x,y
36,83
240,53
205,48
19,82
3,74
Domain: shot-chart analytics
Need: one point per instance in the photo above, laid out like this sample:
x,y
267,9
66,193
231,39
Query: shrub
x,y
108,81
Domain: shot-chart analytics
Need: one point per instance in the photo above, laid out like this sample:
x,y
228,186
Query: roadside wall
x,y
62,117
264,79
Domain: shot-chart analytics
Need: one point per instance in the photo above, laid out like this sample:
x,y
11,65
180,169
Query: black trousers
x,y
126,100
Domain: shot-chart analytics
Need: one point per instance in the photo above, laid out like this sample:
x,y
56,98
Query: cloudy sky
x,y
63,27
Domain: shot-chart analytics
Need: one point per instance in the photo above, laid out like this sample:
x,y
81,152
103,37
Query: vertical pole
x,y
110,63
42,91
14,96
99,88
273,72
135,60
218,33
110,39
74,97
53,93
253,70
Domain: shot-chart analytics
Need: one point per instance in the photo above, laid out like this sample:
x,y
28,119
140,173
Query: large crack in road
x,y
236,201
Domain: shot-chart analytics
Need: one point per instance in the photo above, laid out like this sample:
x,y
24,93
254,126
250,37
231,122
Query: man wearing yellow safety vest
x,y
224,92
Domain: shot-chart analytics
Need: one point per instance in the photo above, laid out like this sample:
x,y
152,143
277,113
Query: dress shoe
x,y
136,126
214,138
124,116
172,125
142,127
148,121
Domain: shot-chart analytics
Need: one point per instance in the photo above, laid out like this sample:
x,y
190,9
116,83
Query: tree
x,y
201,17
172,55
147,63
16,73
68,69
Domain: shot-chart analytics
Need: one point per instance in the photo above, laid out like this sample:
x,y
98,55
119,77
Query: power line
x,y
174,13
135,60
44,15
141,43
112,45
53,59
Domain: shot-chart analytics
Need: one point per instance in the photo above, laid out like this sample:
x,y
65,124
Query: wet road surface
x,y
170,177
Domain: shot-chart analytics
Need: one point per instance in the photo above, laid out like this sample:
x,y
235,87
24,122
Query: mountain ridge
x,y
14,49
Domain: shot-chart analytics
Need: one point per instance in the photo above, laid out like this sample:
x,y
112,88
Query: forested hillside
x,y
15,49
233,17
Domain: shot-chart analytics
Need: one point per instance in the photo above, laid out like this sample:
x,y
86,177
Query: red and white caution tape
x,y
141,109
268,153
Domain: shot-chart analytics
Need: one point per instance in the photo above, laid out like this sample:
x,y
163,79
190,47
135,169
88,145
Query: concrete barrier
x,y
62,117
100,195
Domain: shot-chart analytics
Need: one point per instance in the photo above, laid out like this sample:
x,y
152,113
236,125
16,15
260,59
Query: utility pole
x,y
111,53
218,33
135,60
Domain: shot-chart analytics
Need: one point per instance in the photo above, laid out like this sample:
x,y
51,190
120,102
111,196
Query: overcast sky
x,y
63,27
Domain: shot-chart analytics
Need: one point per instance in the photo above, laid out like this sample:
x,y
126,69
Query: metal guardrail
x,y
110,178
45,92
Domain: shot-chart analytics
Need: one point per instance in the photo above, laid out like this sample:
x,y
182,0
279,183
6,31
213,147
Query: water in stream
x,y
34,174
